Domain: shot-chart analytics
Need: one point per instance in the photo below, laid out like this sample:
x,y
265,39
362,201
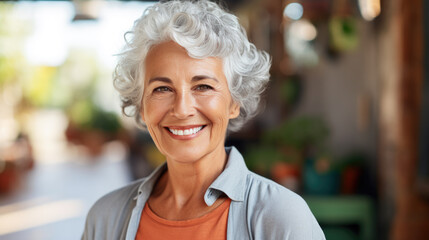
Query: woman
x,y
189,74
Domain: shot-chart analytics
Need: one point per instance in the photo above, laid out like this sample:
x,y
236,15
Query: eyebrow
x,y
202,77
194,79
161,79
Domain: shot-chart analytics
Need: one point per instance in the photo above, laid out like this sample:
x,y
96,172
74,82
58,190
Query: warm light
x,y
293,11
303,29
298,37
369,9
50,42
39,215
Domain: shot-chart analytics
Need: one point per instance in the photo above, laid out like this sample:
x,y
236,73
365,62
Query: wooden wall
x,y
404,212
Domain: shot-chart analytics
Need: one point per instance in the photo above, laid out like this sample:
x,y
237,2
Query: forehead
x,y
170,57
169,47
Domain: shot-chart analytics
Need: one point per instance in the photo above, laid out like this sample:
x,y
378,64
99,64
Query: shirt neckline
x,y
190,222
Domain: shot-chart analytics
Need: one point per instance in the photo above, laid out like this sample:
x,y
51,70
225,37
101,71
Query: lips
x,y
184,131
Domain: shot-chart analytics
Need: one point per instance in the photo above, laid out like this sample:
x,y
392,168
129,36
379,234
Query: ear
x,y
234,110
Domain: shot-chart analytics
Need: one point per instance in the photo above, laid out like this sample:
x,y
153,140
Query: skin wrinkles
x,y
194,79
182,91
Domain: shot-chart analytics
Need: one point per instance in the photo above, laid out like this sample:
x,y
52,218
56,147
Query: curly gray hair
x,y
205,30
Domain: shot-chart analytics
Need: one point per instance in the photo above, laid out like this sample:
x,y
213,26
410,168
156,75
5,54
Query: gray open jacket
x,y
260,208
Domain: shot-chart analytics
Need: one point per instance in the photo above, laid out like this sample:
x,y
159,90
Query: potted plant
x,y
283,149
91,126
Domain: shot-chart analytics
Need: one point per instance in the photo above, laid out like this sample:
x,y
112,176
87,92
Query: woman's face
x,y
186,103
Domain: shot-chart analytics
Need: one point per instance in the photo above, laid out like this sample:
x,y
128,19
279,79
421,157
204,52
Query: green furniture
x,y
344,210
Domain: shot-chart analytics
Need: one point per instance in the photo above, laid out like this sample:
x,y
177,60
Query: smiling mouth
x,y
185,132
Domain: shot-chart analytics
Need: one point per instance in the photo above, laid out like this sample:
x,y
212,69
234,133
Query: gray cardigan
x,y
260,208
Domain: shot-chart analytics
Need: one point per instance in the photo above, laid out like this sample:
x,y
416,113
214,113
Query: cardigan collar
x,y
231,182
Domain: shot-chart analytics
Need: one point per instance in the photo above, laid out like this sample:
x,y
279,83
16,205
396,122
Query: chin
x,y
186,155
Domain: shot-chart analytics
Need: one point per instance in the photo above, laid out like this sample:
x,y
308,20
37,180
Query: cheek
x,y
154,109
152,115
216,108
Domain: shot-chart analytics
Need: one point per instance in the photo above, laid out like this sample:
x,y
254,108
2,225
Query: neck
x,y
186,183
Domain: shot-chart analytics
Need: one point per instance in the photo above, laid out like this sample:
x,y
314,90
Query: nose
x,y
184,105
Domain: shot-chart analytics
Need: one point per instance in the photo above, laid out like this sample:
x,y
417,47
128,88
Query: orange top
x,y
210,226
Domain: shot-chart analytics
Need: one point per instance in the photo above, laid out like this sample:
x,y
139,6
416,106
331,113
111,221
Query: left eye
x,y
161,89
203,87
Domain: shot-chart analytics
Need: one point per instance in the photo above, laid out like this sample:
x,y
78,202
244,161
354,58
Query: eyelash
x,y
162,89
202,87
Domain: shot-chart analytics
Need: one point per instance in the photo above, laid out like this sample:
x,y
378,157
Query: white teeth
x,y
186,131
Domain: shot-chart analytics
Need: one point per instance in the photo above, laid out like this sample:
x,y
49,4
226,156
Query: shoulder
x,y
277,210
116,198
109,214
272,197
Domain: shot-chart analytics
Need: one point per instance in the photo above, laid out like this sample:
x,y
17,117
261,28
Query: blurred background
x,y
345,122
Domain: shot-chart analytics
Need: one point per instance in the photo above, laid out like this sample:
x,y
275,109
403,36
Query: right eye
x,y
162,89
